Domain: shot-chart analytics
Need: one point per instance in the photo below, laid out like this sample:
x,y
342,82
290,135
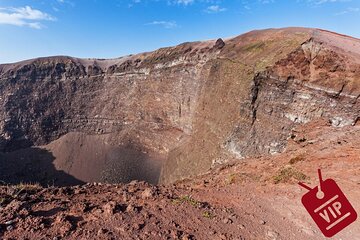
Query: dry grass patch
x,y
288,173
297,159
208,214
187,199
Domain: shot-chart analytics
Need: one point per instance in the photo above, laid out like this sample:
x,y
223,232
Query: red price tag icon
x,y
328,206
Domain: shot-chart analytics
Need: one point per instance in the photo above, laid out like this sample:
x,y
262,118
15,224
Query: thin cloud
x,y
319,2
65,2
184,2
24,16
266,1
348,10
214,9
165,24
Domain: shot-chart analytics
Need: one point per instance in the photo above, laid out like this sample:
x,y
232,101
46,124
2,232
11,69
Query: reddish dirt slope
x,y
255,199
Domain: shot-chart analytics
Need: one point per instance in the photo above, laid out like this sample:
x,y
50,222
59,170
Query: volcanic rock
x,y
219,44
175,112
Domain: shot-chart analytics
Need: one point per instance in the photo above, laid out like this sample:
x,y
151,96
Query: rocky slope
x,y
254,199
175,112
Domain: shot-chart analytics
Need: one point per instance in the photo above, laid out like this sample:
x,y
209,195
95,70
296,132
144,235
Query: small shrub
x,y
15,190
190,200
231,179
187,199
297,159
27,186
287,173
208,214
176,201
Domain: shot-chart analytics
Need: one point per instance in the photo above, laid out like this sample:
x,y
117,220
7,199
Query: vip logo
x,y
328,206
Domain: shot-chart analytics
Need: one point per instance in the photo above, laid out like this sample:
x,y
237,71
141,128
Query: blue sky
x,y
113,28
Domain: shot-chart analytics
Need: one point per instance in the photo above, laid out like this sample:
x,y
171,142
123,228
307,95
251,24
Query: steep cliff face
x,y
298,89
47,98
187,107
266,83
133,106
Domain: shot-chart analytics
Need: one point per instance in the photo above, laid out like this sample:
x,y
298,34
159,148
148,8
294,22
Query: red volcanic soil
x,y
252,199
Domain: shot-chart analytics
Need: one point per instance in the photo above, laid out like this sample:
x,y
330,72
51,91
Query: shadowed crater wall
x,y
33,165
76,159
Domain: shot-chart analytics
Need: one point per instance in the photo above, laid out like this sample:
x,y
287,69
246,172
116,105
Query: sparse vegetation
x,y
286,174
297,159
257,46
240,177
208,214
27,186
231,179
187,199
15,190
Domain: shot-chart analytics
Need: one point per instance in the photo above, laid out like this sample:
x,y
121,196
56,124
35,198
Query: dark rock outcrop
x,y
219,44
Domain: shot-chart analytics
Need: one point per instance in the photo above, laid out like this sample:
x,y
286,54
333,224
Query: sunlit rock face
x,y
175,112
